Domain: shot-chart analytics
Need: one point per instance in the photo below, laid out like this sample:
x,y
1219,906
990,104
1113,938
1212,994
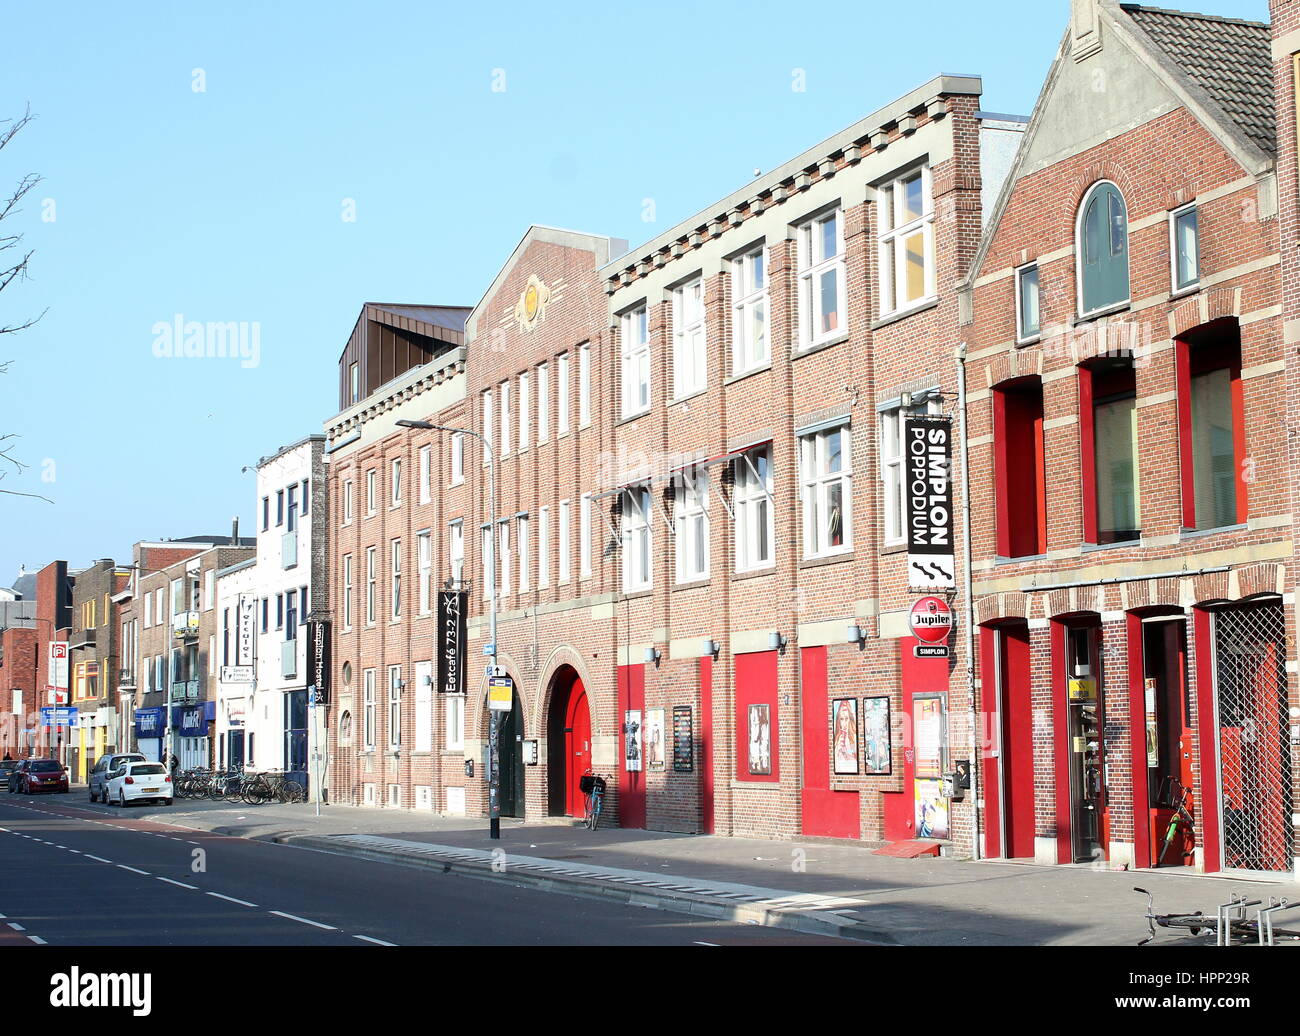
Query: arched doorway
x,y
568,743
511,749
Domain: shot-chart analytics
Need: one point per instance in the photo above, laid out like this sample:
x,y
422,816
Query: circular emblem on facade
x,y
530,310
930,620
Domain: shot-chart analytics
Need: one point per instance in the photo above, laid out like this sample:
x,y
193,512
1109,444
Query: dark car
x,y
42,775
7,767
14,777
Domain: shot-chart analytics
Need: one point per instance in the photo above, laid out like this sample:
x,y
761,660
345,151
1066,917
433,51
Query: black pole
x,y
494,774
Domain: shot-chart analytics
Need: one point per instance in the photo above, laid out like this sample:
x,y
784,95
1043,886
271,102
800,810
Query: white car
x,y
135,782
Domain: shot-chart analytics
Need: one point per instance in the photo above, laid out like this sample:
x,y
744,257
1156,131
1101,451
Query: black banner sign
x,y
452,631
318,658
927,469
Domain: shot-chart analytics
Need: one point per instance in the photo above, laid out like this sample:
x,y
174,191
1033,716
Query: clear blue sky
x,y
227,204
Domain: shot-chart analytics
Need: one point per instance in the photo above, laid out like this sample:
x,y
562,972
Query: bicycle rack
x,y
1238,906
1264,920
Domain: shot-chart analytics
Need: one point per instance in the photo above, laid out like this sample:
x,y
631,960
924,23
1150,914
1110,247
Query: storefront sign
x,y
501,694
927,461
451,641
930,622
149,723
237,674
193,721
683,740
246,635
318,659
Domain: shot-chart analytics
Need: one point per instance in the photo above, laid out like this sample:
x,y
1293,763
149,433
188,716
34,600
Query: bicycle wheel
x,y
595,810
586,811
292,791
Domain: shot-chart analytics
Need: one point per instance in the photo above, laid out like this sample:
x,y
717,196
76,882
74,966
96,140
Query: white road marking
x,y
232,899
15,926
377,942
304,920
698,943
134,870
38,940
99,858
180,883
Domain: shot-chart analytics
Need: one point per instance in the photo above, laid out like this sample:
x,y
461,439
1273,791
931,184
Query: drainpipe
x,y
968,602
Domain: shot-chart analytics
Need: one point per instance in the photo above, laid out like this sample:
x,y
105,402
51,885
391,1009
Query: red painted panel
x,y
990,776
1209,739
1001,478
1020,474
1239,438
831,814
756,685
1137,741
1186,468
706,745
1061,755
900,813
631,785
816,709
1018,741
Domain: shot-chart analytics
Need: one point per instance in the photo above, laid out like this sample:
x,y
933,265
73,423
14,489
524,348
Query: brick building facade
x,y
1131,471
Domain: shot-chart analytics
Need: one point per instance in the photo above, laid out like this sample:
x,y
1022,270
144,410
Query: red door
x,y
577,747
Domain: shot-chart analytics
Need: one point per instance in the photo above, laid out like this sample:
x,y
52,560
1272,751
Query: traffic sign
x,y
501,693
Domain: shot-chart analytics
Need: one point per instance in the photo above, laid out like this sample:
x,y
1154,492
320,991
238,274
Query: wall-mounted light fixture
x,y
776,641
710,648
653,656
857,635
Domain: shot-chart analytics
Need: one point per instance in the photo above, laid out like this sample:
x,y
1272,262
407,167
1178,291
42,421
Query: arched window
x,y
1101,249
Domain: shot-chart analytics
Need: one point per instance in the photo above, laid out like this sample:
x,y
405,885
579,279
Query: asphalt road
x,y
83,875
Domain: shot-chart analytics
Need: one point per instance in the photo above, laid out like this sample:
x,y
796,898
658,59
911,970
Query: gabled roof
x,y
1230,59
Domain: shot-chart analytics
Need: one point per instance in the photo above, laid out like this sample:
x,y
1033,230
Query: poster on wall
x,y
844,742
760,740
931,809
1153,735
927,712
632,740
654,739
875,734
683,740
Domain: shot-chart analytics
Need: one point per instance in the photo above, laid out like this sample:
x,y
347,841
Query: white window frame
x,y
812,267
485,552
690,510
816,483
395,482
368,678
753,494
372,585
395,569
543,547
503,404
457,458
426,473
637,536
746,299
690,357
893,261
424,565
455,722
487,425
1079,248
525,405
456,550
522,547
348,501
562,394
892,469
543,403
1195,283
394,717
1023,336
564,559
584,385
634,349
347,591
372,492
507,559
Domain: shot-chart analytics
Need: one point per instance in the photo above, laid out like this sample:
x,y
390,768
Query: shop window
x,y
1211,426
1101,249
1019,474
1109,451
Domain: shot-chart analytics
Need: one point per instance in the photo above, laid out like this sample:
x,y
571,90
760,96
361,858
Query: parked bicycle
x,y
593,790
1230,926
1182,818
272,784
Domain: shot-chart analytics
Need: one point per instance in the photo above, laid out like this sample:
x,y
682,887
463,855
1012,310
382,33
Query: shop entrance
x,y
568,744
1167,705
1085,705
1256,799
1008,762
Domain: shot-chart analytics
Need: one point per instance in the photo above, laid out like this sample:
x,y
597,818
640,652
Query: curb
x,y
807,922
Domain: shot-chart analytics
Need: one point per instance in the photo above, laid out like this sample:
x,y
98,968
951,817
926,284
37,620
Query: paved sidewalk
x,y
837,888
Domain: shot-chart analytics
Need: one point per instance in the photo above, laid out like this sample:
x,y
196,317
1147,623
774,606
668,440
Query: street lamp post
x,y
494,719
